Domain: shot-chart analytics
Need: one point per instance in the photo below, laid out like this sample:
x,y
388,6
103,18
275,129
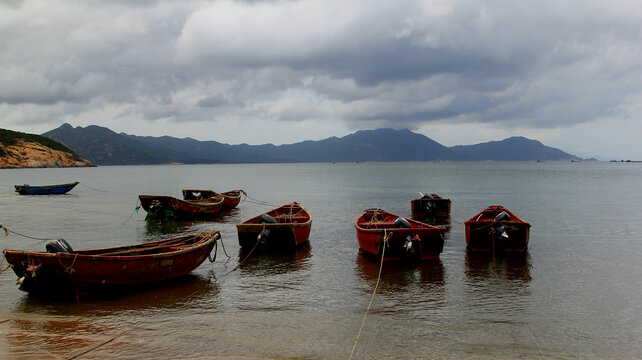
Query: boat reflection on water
x,y
40,328
504,267
182,292
156,229
275,262
397,276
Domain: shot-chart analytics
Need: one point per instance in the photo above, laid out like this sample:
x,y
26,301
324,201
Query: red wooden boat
x,y
231,199
161,207
285,227
60,269
430,206
407,239
496,229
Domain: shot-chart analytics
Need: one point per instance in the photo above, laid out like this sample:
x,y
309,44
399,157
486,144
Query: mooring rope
x,y
89,187
8,264
105,342
258,240
136,208
7,231
386,237
501,299
256,201
209,257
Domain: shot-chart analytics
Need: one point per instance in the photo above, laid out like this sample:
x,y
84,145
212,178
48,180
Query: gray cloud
x,y
401,64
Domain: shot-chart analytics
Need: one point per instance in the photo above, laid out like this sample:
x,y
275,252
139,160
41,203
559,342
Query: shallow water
x,y
576,294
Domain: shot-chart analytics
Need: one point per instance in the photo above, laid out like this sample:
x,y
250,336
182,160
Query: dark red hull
x,y
231,199
484,234
374,225
434,206
291,230
160,206
111,267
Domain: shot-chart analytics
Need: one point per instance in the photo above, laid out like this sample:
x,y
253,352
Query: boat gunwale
x,y
249,222
206,239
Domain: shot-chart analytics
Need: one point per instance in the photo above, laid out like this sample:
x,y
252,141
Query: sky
x,y
567,73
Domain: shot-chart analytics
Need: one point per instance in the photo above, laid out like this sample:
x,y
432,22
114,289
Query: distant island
x,y
77,146
22,150
103,146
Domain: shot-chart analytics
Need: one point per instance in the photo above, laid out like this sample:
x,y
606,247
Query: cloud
x,y
362,64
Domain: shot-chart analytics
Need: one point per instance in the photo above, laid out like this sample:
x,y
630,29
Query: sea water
x,y
575,295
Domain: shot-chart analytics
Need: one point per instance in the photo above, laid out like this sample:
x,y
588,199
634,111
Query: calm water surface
x,y
575,296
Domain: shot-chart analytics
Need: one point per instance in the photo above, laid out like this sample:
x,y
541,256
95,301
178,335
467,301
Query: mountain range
x,y
103,146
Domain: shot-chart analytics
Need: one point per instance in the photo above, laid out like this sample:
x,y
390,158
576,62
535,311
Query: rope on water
x,y
6,267
258,240
89,187
7,231
104,342
225,251
256,201
386,237
136,208
209,257
510,325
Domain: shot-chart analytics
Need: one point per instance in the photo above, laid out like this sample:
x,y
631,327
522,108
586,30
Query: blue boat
x,y
27,189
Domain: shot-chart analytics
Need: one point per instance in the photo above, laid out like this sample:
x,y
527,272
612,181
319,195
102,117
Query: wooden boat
x,y
161,207
230,198
430,206
61,269
285,227
496,230
197,194
406,239
27,189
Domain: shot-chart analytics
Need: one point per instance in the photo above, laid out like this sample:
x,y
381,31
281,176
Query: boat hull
x,y
45,189
231,199
291,230
161,207
485,235
125,266
375,225
436,206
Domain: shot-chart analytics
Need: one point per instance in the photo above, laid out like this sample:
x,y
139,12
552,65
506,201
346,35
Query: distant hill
x,y
515,148
105,147
23,150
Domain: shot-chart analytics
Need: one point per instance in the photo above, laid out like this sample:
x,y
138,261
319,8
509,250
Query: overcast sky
x,y
567,73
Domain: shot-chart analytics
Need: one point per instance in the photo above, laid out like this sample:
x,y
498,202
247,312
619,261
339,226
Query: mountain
x,y
22,150
515,148
105,147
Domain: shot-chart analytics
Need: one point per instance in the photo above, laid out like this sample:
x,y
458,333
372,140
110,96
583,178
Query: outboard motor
x,y
267,219
410,249
60,245
402,223
502,216
265,236
499,229
156,209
